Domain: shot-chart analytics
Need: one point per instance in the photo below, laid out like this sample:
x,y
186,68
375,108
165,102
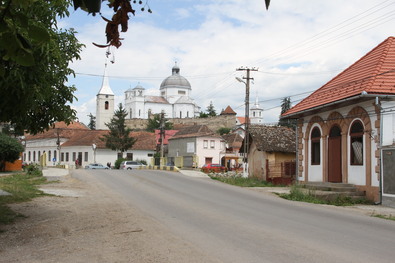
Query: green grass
x,y
388,217
22,187
242,181
296,194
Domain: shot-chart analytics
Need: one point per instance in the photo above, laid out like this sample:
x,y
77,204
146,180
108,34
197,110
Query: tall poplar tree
x,y
118,139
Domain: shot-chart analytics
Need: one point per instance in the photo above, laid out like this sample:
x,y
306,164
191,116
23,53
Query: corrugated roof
x,y
273,138
374,73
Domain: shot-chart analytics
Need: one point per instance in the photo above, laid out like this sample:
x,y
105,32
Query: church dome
x,y
175,80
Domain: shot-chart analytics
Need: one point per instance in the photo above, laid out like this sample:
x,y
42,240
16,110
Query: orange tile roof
x,y
228,111
374,73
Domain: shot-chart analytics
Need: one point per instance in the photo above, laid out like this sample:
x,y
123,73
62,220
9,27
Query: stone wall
x,y
214,123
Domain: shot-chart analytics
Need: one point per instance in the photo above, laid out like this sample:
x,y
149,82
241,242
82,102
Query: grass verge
x,y
22,187
296,194
242,181
388,217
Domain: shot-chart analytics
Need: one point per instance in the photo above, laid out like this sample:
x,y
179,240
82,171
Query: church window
x,y
55,155
130,113
49,156
106,105
181,92
38,156
187,114
356,140
34,156
315,146
180,114
67,157
29,156
139,113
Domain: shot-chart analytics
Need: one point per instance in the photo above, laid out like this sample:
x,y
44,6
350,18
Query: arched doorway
x,y
335,155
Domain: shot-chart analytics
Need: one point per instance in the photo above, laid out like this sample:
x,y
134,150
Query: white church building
x,y
174,99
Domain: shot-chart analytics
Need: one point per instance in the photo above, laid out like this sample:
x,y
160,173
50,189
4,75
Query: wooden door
x,y
335,156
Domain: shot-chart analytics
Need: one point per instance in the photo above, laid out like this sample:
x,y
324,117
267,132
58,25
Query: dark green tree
x,y
285,106
34,64
118,139
10,149
203,115
92,122
154,123
223,130
210,110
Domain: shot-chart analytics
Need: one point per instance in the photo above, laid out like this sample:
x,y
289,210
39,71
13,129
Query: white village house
x,y
64,144
346,128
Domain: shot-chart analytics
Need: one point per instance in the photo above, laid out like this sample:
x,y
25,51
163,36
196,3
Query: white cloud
x,y
297,40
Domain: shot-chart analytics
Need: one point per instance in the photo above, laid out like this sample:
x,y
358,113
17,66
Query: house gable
x,y
373,74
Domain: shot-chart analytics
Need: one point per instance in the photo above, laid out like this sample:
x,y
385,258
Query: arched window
x,y
39,156
29,156
106,105
315,146
356,141
34,156
49,156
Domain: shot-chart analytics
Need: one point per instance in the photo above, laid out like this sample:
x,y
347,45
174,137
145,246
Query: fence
x,y
280,172
179,161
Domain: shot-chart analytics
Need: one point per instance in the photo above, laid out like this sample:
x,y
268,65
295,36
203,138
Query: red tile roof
x,y
168,135
228,111
374,73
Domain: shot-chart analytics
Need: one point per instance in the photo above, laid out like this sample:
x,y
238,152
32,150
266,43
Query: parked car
x,y
96,166
129,165
213,167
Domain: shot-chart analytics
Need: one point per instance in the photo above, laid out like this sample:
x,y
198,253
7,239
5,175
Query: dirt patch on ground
x,y
89,225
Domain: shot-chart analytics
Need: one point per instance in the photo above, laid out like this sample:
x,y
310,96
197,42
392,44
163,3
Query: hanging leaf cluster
x,y
122,10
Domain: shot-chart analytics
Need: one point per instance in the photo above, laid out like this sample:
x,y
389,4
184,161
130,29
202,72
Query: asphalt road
x,y
233,224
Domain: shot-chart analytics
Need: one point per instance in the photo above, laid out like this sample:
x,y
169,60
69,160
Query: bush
x,y
33,169
118,162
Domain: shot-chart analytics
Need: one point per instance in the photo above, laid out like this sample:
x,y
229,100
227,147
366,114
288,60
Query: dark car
x,y
213,167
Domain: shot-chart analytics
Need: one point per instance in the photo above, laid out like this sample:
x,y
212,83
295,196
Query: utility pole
x,y
162,135
247,115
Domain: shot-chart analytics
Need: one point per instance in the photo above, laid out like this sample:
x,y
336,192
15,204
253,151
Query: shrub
x,y
118,162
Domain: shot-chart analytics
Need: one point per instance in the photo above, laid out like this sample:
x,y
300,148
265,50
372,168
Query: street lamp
x,y
94,152
246,122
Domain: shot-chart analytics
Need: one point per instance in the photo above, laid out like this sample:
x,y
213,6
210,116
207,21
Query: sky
x,y
296,47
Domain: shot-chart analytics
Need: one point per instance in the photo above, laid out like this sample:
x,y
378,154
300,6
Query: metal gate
x,y
389,171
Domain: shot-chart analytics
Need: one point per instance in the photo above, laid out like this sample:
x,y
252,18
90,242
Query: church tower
x,y
104,104
256,113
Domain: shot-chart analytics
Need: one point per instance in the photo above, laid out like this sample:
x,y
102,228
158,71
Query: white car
x,y
129,165
96,166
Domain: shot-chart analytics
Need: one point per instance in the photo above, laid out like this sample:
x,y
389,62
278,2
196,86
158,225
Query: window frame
x,y
315,158
356,136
